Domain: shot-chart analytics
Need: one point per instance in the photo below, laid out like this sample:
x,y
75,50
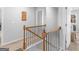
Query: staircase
x,y
36,39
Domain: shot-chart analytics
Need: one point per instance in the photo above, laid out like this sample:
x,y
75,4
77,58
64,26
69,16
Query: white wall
x,y
68,33
57,17
61,22
0,25
0,15
51,23
51,18
12,24
77,21
64,22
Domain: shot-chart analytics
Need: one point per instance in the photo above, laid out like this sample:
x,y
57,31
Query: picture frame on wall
x,y
23,15
73,19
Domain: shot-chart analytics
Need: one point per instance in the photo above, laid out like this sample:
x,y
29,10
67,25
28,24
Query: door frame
x,y
37,16
68,27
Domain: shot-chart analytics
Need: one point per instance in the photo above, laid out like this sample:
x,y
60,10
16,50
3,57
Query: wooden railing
x,y
38,32
35,32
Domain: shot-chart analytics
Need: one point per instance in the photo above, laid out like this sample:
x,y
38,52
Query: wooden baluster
x,y
24,38
28,38
48,41
44,43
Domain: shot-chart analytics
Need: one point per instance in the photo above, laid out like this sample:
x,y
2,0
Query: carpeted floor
x,y
4,49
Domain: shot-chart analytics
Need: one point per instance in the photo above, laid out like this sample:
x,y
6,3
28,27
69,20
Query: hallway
x,y
73,47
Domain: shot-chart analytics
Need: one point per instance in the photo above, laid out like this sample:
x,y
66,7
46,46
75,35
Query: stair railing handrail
x,y
27,29
35,26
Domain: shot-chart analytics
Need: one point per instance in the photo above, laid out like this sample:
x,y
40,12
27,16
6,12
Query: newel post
x,y
44,34
24,38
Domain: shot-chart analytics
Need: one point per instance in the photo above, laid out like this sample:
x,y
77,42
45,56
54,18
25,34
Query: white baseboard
x,y
10,42
34,44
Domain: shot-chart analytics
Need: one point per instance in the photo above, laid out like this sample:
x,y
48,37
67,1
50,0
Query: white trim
x,y
42,16
34,44
10,42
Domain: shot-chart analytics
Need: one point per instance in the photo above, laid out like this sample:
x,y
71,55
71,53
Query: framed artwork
x,y
73,19
23,15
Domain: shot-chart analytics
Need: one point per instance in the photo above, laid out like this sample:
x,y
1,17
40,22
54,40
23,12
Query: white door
x,y
39,17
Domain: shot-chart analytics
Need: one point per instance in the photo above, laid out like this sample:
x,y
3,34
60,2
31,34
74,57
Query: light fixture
x,y
23,15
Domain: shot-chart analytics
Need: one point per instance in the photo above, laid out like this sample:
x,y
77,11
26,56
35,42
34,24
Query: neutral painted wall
x,y
77,21
68,33
0,25
61,22
57,17
51,18
64,22
51,22
12,24
0,15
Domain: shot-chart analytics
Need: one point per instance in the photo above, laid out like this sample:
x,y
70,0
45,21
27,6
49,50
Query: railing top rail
x,y
34,33
36,26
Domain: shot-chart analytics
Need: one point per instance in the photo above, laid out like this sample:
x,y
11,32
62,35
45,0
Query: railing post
x,y
44,34
24,37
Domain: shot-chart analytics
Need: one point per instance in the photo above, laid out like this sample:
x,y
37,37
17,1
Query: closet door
x,y
39,17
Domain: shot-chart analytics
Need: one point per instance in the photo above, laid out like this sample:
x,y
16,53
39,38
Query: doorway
x,y
39,17
74,43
